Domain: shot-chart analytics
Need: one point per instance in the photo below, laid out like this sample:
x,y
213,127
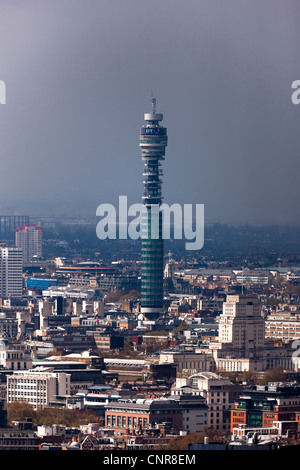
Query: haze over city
x,y
149,228
80,75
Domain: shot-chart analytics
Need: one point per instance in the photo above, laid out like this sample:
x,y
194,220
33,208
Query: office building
x,y
38,388
266,405
11,272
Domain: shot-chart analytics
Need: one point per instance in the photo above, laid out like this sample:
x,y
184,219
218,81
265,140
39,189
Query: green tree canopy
x,y
20,410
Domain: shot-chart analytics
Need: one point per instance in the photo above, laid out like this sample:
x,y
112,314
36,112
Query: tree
x,y
227,374
20,410
182,327
248,375
274,375
181,443
113,296
131,295
152,345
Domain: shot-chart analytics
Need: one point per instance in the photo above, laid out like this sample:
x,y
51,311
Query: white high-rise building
x,y
29,239
242,324
241,343
11,272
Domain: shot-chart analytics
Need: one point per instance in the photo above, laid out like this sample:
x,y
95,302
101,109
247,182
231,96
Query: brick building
x,y
179,413
142,414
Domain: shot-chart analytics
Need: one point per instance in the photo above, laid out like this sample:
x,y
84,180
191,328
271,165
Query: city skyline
x,y
149,227
79,75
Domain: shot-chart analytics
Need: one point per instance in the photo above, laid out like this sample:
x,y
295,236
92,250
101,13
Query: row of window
x,y
15,381
126,422
26,394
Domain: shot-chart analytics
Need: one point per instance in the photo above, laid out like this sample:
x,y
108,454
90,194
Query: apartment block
x,y
29,240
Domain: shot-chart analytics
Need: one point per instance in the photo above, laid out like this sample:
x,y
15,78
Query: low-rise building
x,y
73,342
97,397
188,360
15,439
108,341
254,276
14,356
186,413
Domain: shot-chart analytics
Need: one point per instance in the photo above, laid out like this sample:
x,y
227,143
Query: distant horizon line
x,y
91,219
51,213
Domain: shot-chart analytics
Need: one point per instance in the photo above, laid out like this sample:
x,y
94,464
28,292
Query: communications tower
x,y
153,142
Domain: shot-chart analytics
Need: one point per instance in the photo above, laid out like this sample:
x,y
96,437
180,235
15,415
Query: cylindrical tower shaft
x,y
153,141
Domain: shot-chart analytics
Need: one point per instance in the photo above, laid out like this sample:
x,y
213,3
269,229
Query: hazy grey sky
x,y
79,75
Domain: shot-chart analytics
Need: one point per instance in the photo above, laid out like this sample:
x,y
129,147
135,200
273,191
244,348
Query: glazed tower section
x,y
153,142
